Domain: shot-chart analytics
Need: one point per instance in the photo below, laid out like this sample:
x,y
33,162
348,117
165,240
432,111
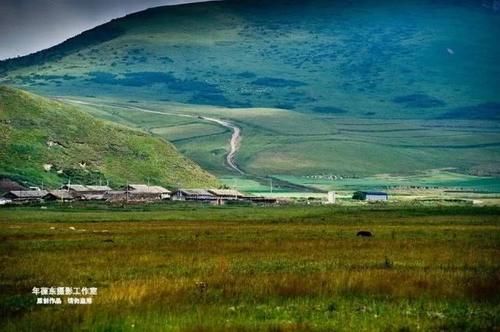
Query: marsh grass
x,y
233,269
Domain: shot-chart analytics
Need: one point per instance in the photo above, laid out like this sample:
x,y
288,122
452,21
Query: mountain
x,y
46,141
318,87
407,59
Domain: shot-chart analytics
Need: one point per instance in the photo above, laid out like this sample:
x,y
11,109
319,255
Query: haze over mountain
x,y
317,86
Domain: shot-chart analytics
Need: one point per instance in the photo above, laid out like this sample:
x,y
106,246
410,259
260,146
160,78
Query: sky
x,y
27,26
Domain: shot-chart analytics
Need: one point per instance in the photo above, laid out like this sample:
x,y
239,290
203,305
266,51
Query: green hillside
x,y
42,140
350,88
410,59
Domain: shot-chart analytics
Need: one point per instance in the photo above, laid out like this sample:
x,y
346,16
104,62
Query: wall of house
x,y
376,198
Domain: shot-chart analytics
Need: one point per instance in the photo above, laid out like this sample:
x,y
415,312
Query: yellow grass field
x,y
197,268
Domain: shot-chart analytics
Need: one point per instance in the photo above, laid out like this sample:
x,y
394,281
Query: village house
x,y
88,193
96,190
132,192
77,191
138,193
227,194
371,196
23,196
115,196
193,195
59,195
78,188
147,192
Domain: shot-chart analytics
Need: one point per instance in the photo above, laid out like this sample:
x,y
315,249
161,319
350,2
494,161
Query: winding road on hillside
x,y
234,143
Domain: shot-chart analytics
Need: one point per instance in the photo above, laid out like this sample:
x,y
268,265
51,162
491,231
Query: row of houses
x,y
131,193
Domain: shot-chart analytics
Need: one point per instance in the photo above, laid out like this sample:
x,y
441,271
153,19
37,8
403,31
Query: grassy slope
x,y
110,152
268,269
341,70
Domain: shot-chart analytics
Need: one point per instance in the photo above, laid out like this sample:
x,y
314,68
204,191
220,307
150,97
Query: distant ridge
x,y
88,38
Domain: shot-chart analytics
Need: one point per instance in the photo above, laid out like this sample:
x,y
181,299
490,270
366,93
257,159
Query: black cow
x,y
364,234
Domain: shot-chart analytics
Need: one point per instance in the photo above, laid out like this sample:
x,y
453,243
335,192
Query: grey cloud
x,y
27,26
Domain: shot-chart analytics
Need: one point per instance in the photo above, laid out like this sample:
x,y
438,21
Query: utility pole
x,y
126,193
271,184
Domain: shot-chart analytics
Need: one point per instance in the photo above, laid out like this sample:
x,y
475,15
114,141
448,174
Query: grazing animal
x,y
364,234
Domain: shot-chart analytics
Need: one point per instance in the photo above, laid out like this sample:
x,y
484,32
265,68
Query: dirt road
x,y
234,143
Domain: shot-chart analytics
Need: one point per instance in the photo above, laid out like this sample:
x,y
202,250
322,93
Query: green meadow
x,y
289,268
435,179
273,145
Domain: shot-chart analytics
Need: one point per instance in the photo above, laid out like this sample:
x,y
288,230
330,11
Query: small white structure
x,y
332,197
4,201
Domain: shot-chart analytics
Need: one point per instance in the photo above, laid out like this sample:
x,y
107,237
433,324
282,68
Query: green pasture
x,y
275,144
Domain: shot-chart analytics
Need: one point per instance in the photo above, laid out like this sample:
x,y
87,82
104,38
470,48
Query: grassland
x,y
276,143
290,268
433,179
47,142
